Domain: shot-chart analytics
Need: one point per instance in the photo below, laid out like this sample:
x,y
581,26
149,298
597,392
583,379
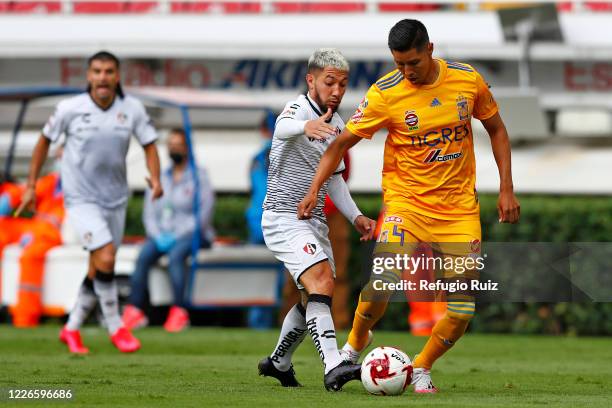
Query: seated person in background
x,y
36,236
170,224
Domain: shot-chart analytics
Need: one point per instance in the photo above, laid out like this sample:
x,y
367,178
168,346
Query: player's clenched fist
x,y
365,226
319,128
156,188
306,206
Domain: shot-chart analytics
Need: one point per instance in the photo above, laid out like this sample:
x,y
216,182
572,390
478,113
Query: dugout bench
x,y
234,276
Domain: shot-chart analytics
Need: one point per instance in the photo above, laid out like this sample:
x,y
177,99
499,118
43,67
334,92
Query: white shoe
x,y
348,353
421,379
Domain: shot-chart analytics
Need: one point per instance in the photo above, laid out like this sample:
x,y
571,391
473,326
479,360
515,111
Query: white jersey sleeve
x,y
291,121
58,121
143,125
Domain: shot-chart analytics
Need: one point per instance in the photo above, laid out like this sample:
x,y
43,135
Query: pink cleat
x,y
134,318
178,320
72,338
125,341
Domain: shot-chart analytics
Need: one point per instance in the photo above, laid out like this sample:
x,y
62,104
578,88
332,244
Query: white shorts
x,y
97,226
299,244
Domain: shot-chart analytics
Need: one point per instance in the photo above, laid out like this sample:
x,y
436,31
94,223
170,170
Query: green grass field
x,y
217,367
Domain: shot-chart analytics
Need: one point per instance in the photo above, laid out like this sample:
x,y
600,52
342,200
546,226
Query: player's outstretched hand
x,y
508,207
28,201
318,128
156,188
366,227
305,207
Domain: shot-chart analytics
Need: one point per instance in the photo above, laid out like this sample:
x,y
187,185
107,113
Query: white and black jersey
x,y
294,158
97,141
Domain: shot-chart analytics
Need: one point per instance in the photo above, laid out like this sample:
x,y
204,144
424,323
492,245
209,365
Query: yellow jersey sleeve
x,y
484,104
371,115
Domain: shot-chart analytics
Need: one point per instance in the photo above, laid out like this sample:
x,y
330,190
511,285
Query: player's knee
x,y
461,310
322,284
105,261
325,286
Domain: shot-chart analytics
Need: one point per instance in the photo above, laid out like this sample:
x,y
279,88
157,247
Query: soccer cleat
x,y
125,341
178,320
134,318
286,378
348,353
421,379
340,375
72,338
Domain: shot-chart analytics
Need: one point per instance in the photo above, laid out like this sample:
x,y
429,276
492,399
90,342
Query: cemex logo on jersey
x,y
310,249
434,156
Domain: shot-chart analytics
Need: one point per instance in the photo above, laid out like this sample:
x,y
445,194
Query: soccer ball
x,y
386,371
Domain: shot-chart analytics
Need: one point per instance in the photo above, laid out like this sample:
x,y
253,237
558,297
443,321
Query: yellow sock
x,y
366,316
444,335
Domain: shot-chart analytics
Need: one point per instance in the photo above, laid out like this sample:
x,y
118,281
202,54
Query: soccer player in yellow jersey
x,y
426,105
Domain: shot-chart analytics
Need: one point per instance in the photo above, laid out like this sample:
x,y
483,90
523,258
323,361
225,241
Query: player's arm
x,y
339,193
41,150
508,206
328,164
294,122
152,159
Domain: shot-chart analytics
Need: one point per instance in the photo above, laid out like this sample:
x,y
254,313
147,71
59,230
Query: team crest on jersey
x,y
121,117
462,107
393,218
384,236
411,119
358,115
87,238
310,249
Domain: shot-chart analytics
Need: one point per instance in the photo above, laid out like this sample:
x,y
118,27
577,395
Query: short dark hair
x,y
408,34
103,56
178,131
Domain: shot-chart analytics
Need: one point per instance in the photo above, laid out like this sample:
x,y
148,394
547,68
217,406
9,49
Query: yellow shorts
x,y
402,226
452,246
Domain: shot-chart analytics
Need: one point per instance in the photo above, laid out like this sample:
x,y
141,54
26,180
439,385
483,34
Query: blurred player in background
x,y
170,224
36,236
98,125
303,132
426,104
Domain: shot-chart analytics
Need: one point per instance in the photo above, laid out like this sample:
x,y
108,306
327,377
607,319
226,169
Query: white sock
x,y
321,328
291,336
86,301
106,290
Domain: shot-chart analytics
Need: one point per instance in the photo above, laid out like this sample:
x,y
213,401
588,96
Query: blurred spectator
x,y
36,236
170,224
260,317
259,176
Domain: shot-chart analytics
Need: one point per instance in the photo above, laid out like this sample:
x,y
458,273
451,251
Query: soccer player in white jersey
x,y
303,131
98,125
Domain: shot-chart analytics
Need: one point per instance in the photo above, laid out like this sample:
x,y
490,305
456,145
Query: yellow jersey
x,y
429,164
